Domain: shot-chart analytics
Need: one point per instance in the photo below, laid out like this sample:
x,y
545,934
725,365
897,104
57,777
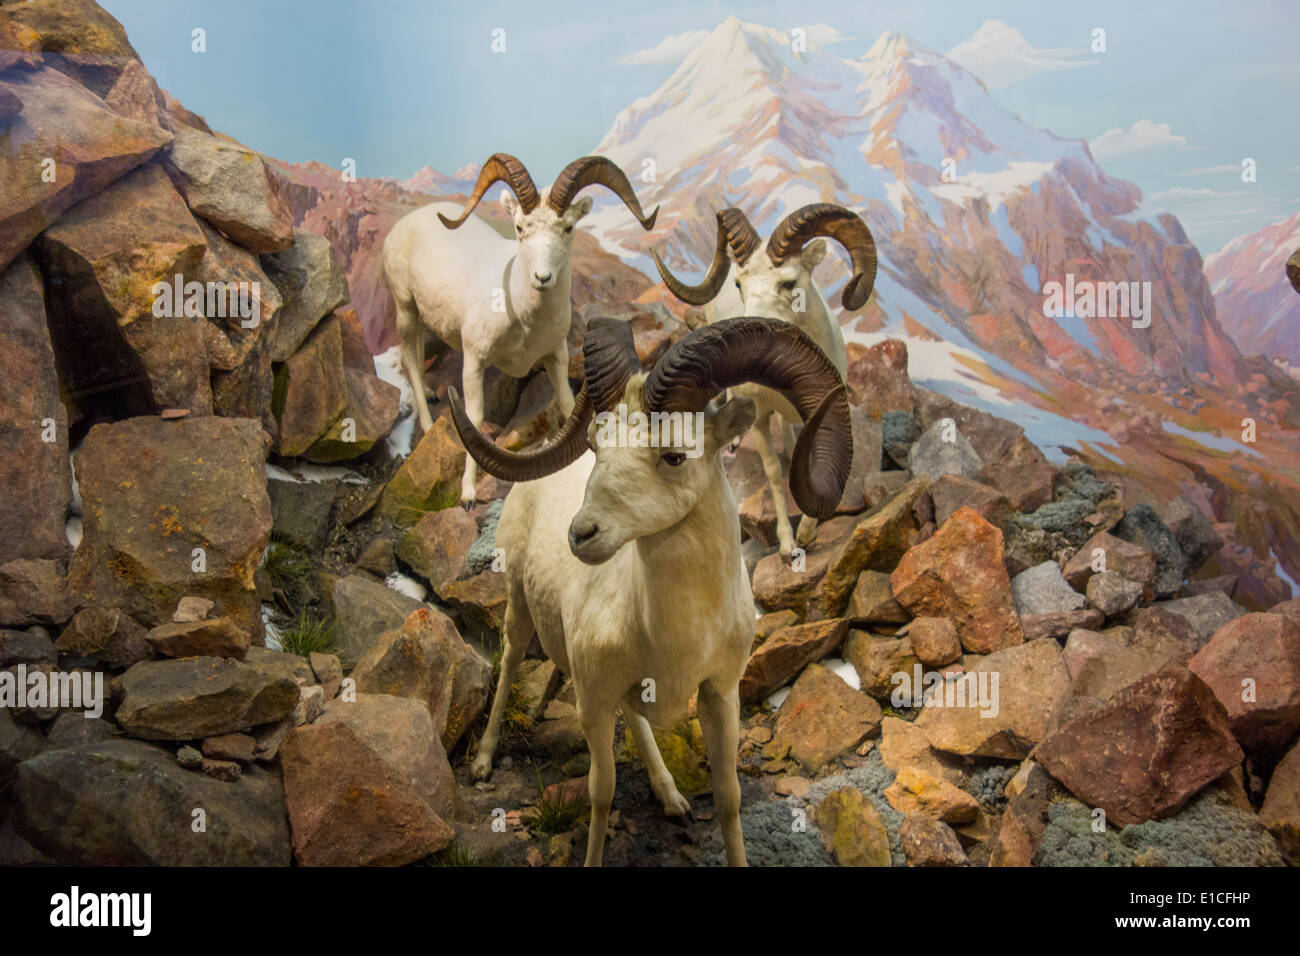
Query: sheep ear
x,y
579,208
732,419
509,203
812,254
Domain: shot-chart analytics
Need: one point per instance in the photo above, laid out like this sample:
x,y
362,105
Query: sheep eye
x,y
519,230
568,229
737,284
788,284
673,458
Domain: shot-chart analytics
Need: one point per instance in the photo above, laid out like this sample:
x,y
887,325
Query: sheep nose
x,y
543,279
580,532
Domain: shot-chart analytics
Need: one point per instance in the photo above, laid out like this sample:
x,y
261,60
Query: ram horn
x,y
834,222
596,171
1293,270
734,232
500,167
782,357
609,360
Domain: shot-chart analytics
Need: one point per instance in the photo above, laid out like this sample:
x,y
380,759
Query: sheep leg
x,y
471,380
787,438
413,361
516,634
661,781
775,483
807,532
557,370
720,721
598,727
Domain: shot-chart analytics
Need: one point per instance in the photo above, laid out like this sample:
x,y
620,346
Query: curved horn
x,y
1293,270
734,231
609,360
835,222
782,357
596,171
500,167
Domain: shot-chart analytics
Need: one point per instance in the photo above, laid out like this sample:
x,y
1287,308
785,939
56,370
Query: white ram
x,y
625,560
501,302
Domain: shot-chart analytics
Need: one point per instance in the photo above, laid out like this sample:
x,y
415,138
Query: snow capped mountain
x,y
1256,303
429,180
972,209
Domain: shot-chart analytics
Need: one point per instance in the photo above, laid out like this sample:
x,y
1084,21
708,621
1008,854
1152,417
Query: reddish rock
x,y
918,791
872,601
1021,688
33,592
958,574
427,659
1027,485
238,747
1133,562
219,637
1059,624
310,390
769,624
928,842
1281,809
877,659
1147,751
105,634
1253,666
779,583
876,376
934,639
435,547
821,718
951,492
782,656
481,599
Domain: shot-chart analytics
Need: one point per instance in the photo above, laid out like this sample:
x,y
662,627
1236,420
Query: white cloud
x,y
1000,55
671,49
819,34
1208,170
1181,192
1140,137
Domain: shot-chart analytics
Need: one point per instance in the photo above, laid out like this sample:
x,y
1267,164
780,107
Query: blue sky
x,y
1188,88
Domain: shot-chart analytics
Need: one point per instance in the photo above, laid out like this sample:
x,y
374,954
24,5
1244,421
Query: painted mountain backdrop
x,y
964,255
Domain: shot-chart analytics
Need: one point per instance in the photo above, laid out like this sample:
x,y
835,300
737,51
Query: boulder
x,y
1022,686
1281,809
231,187
105,634
934,641
872,601
1193,531
951,492
784,654
369,413
480,600
1042,590
111,266
26,647
134,805
877,659
1111,593
200,697
76,37
427,659
310,392
876,376
1101,664
33,592
429,479
1143,527
958,574
928,842
90,144
1204,613
780,583
821,718
364,610
851,829
219,637
943,450
34,470
1253,666
173,508
915,790
877,543
300,511
1036,626
1147,750
1105,552
351,805
435,547
311,286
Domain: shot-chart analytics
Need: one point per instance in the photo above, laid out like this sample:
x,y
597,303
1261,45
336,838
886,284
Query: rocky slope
x,y
302,648
1258,307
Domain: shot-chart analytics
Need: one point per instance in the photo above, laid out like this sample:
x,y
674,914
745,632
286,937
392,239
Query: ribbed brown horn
x,y
596,171
734,231
782,357
1293,270
835,222
609,360
500,167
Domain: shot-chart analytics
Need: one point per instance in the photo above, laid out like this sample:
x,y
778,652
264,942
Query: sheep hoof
x,y
675,805
807,534
481,768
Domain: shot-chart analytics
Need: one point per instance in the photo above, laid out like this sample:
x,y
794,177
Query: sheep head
x,y
543,222
775,283
641,487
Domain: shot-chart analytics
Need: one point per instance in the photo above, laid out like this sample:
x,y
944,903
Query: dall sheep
x,y
501,302
625,559
780,285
